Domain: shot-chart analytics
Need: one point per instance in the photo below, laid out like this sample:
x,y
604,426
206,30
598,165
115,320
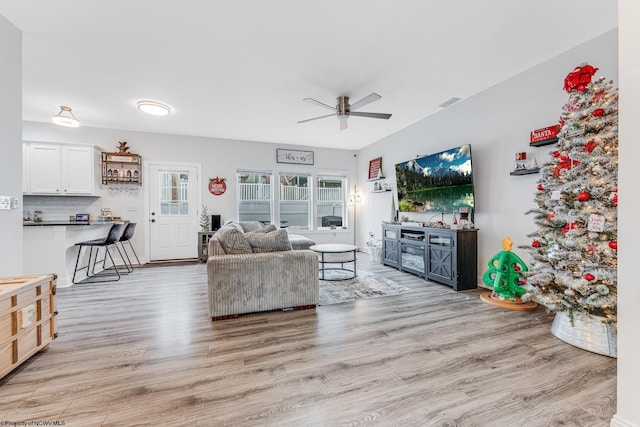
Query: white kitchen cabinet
x,y
62,169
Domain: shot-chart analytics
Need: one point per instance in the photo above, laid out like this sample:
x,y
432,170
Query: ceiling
x,y
239,69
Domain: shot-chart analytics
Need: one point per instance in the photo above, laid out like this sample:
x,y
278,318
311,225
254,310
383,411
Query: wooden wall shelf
x,y
524,171
121,168
543,142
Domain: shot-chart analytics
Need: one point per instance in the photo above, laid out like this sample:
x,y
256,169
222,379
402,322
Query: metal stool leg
x,y
132,250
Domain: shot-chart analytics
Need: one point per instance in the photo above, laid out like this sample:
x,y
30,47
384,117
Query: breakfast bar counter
x,y
49,246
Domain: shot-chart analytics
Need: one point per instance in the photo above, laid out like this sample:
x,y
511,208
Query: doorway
x,y
173,211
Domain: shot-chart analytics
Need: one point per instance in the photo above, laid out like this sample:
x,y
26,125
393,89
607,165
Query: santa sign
x,y
217,186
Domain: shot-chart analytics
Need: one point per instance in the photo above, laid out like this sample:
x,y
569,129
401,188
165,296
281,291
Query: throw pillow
x,y
248,226
234,241
274,241
266,229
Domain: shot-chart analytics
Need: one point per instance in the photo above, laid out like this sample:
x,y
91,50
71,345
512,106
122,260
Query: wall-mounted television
x,y
440,182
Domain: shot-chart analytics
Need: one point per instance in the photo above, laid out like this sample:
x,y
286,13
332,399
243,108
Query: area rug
x,y
364,285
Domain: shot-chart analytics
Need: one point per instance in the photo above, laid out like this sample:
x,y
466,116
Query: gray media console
x,y
439,254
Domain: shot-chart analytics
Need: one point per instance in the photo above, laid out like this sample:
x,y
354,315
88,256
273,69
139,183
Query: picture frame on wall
x,y
375,169
296,157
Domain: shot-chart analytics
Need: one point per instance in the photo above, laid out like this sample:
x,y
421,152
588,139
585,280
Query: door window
x,y
174,193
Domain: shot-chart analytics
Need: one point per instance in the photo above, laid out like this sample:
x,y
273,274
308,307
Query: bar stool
x,y
104,276
126,237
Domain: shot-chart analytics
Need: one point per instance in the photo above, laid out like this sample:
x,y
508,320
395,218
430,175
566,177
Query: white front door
x,y
173,210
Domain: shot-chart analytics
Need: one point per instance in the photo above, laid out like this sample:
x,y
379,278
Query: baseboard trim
x,y
618,421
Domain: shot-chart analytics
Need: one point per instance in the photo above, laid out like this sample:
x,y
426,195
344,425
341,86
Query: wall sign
x,y
298,157
375,168
217,186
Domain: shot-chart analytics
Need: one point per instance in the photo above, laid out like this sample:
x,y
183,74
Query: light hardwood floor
x,y
142,351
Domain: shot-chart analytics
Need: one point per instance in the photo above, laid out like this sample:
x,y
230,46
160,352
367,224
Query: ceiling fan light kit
x,y
343,109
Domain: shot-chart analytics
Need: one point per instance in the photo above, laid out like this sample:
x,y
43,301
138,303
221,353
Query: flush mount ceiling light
x,y
65,118
154,108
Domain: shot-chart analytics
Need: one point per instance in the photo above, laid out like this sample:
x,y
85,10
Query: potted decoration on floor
x,y
506,276
573,268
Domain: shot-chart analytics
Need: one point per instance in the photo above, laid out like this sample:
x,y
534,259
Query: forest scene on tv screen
x,y
441,182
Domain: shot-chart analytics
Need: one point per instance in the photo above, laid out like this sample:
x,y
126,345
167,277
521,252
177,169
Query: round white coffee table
x,y
336,253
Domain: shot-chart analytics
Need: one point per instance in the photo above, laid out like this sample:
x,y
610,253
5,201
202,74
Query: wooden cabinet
x,y
442,255
27,318
121,168
390,246
63,170
203,244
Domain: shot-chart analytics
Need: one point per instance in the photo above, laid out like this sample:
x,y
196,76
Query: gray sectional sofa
x,y
252,268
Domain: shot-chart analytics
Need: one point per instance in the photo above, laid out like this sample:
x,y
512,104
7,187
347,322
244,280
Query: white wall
x,y
496,123
217,157
10,144
628,411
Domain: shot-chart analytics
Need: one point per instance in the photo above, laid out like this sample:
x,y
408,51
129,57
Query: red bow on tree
x,y
579,78
590,146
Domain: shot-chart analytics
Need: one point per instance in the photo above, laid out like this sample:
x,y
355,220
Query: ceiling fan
x,y
343,110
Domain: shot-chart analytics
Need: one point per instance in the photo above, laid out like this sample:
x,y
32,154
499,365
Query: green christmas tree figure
x,y
573,266
506,274
204,218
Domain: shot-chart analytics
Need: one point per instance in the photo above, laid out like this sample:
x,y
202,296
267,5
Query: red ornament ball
x,y
589,276
540,187
613,245
517,267
598,113
556,153
536,244
583,196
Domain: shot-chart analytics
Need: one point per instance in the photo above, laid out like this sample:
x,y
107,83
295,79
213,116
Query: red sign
x,y
375,168
217,186
550,132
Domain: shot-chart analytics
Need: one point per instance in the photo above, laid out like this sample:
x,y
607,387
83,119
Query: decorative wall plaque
x,y
297,157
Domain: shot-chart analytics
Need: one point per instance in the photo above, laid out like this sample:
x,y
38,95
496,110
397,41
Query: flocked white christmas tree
x,y
573,253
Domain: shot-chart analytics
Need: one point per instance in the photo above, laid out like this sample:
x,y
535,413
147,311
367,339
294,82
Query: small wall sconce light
x,y
65,118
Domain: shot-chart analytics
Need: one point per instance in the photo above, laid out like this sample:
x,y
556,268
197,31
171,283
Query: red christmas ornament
x,y
517,267
613,245
599,95
592,248
535,244
556,153
598,113
550,216
540,187
589,276
589,146
614,198
583,196
571,226
564,163
579,78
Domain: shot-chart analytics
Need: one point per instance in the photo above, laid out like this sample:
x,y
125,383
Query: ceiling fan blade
x,y
371,115
316,118
343,123
320,104
366,100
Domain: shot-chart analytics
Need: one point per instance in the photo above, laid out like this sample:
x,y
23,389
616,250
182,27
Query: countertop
x,y
62,222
